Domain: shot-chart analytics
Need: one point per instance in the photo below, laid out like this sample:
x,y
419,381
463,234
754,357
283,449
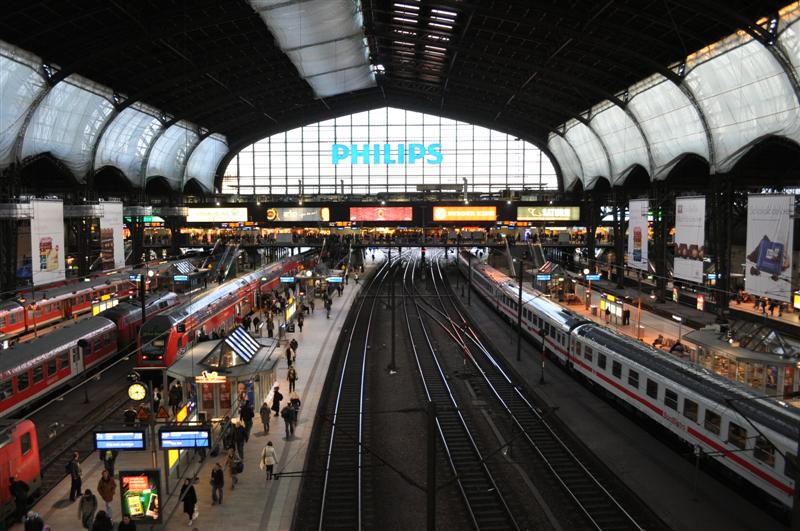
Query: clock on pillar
x,y
137,391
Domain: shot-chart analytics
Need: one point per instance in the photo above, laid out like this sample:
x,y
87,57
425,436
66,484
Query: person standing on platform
x,y
270,326
75,473
232,464
246,415
291,375
300,320
107,487
19,490
86,509
264,413
240,437
276,400
294,403
126,524
109,458
328,305
311,305
189,498
289,356
175,396
102,522
288,415
268,459
217,484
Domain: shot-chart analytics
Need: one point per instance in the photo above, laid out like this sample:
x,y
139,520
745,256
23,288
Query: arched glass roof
x,y
328,155
20,85
204,160
170,153
127,140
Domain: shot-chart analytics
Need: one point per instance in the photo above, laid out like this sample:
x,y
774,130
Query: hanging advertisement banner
x,y
690,221
465,213
381,214
299,214
638,234
47,241
770,238
216,215
112,249
548,213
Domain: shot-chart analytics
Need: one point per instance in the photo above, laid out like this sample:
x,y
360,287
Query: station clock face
x,y
137,391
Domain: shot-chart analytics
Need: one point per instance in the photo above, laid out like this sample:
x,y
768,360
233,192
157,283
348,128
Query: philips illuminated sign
x,y
386,153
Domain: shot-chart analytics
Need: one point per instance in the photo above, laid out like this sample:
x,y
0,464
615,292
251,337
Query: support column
x,y
660,206
720,203
620,201
591,227
137,239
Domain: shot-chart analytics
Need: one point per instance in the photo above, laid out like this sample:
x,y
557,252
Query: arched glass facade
x,y
387,150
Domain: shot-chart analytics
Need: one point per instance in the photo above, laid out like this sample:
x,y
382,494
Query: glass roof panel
x,y
20,85
125,142
205,158
168,156
626,146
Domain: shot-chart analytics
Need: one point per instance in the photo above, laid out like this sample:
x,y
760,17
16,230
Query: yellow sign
x,y
465,213
182,413
548,213
210,378
611,298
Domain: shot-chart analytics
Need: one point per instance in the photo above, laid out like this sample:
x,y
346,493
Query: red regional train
x,y
19,455
32,369
166,337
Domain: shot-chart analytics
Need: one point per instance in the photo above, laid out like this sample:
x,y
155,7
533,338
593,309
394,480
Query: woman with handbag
x,y
189,498
268,459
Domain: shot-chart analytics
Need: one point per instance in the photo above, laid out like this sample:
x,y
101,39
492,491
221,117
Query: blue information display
x,y
181,278
119,440
334,280
542,277
592,277
287,280
172,438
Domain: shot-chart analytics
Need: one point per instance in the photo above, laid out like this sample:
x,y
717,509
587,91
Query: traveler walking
x,y
246,415
311,305
86,508
239,437
217,484
175,397
102,522
106,487
189,498
289,356
276,400
300,322
268,459
75,473
294,403
109,458
264,413
291,375
19,490
288,415
328,305
270,327
232,464
356,277
126,524
228,435
294,344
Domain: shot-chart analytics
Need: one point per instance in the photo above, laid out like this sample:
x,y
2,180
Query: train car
x,y
30,370
19,455
747,433
127,316
166,337
37,310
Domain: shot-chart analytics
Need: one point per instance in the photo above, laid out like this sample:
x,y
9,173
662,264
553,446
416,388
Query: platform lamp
x,y
588,291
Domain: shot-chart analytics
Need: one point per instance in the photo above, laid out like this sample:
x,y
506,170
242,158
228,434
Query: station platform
x,y
255,504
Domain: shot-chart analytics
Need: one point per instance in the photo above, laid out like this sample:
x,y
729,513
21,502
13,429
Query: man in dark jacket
x,y
289,414
175,397
217,484
19,490
74,469
246,415
240,437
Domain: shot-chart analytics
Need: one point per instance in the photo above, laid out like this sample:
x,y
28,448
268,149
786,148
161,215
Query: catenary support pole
x,y
431,482
519,311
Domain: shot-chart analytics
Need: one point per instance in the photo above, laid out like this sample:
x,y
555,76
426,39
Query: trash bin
x,y
282,332
594,309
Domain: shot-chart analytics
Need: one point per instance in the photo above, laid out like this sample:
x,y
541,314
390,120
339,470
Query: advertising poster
x,y
690,221
381,214
465,213
47,241
217,215
638,234
299,214
139,495
112,248
548,213
770,238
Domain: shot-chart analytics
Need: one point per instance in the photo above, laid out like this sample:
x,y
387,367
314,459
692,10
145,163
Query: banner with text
x,y
216,215
299,214
47,241
690,222
548,213
638,234
465,213
112,248
770,238
381,214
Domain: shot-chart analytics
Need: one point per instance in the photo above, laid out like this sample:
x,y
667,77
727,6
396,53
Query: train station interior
x,y
543,253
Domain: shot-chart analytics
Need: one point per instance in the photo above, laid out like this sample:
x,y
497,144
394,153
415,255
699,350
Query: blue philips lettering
x,y
355,154
339,152
434,154
415,152
401,153
387,154
376,153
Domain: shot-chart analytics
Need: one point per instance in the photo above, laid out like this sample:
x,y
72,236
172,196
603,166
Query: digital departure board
x,y
119,440
172,438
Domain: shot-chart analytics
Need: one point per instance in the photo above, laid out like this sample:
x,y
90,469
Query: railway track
x,y
480,492
588,494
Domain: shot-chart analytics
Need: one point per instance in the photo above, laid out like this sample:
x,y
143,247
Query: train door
x,y
76,357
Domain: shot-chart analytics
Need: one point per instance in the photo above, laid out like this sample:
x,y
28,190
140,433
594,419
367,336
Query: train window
x,y
63,360
2,321
553,332
789,465
652,388
587,353
601,361
764,451
25,443
671,399
737,435
22,381
38,374
690,409
633,378
5,389
12,318
712,422
616,369
51,367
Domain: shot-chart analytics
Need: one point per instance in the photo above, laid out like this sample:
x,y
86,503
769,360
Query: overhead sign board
x,y
593,277
287,280
211,378
334,280
548,213
175,438
119,440
216,215
381,214
542,277
299,214
465,213
181,278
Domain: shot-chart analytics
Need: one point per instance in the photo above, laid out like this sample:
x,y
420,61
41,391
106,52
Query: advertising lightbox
x,y
217,215
465,213
139,495
299,214
548,213
381,214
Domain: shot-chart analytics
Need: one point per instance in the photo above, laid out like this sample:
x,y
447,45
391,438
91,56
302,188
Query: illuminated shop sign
x,y
216,215
465,213
381,214
386,153
299,214
549,213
